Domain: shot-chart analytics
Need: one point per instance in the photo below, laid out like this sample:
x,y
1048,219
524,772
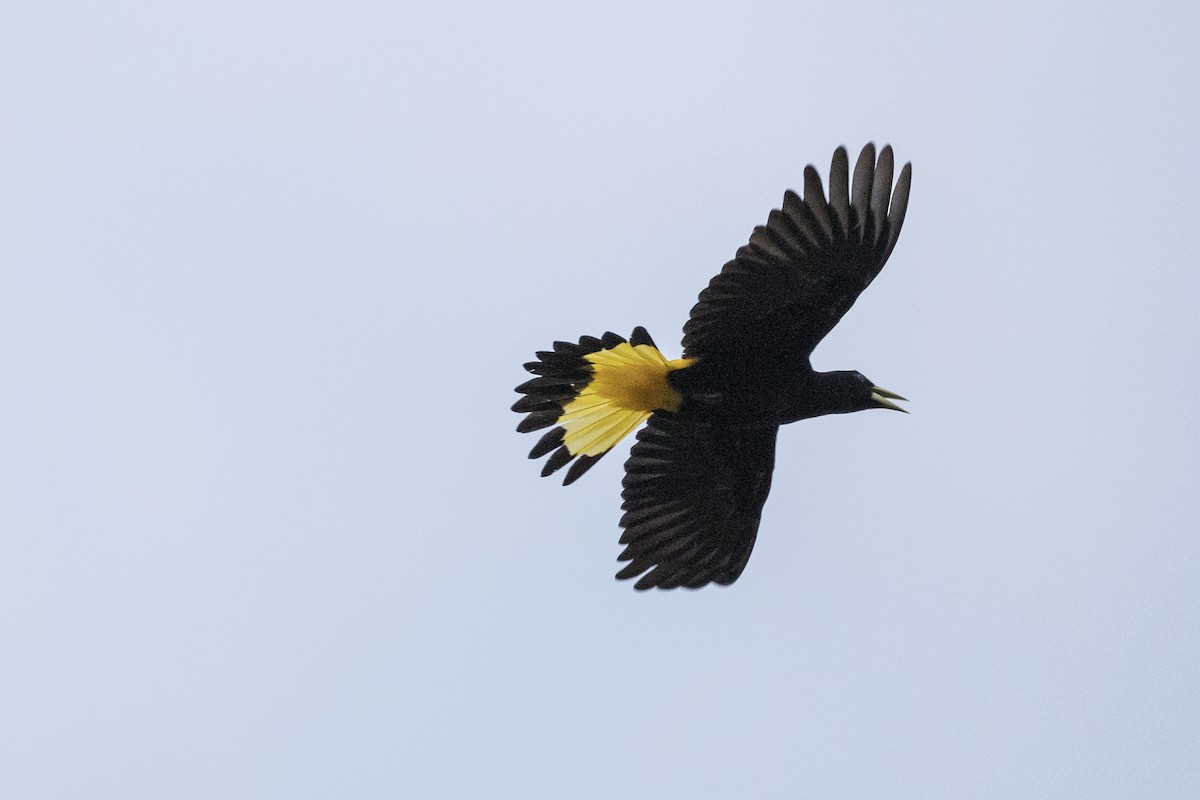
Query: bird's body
x,y
699,474
750,394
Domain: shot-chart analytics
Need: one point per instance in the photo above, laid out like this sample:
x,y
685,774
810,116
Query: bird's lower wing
x,y
693,496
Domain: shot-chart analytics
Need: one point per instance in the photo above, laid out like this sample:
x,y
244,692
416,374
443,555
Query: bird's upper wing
x,y
786,289
693,495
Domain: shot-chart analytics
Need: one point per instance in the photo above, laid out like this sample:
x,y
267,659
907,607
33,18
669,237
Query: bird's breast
x,y
739,391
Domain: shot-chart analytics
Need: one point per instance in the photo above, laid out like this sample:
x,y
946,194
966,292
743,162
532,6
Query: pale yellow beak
x,y
883,399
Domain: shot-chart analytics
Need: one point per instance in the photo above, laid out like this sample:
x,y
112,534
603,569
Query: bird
x,y
699,472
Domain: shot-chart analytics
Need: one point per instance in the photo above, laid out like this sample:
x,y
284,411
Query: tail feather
x,y
592,395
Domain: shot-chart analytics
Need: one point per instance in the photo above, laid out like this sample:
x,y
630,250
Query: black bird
x,y
698,476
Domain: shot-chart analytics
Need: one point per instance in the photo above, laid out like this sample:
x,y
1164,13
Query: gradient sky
x,y
268,273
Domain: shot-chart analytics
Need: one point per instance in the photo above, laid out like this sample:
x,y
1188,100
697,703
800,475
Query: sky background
x,y
268,274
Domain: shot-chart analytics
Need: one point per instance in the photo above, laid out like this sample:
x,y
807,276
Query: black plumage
x,y
699,474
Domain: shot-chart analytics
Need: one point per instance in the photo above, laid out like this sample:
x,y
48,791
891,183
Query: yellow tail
x,y
594,393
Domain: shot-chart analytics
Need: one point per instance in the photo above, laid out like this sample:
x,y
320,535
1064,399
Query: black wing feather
x,y
693,495
802,271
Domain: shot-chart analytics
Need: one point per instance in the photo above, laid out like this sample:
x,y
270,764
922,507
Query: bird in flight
x,y
699,473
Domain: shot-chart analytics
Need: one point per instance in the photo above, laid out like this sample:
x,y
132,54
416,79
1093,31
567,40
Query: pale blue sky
x,y
268,272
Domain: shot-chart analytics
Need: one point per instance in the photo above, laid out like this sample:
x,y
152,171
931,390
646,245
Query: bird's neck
x,y
813,394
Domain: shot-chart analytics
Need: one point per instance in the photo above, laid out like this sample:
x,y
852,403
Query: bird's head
x,y
849,391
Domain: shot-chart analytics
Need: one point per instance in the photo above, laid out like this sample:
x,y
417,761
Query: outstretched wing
x,y
693,495
786,289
